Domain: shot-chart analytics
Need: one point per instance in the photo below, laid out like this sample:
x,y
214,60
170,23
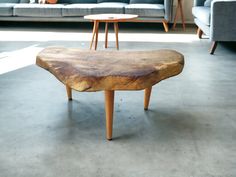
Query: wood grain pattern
x,y
84,70
109,107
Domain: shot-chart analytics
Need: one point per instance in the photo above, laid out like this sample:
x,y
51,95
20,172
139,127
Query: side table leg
x,y
176,15
109,107
96,39
182,14
94,32
106,34
147,95
69,92
179,9
116,28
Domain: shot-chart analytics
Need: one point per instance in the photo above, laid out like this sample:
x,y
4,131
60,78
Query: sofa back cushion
x,y
9,1
207,3
146,1
76,1
124,1
33,1
24,1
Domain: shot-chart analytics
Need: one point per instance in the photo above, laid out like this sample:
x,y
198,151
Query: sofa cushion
x,y
24,1
109,7
124,1
145,10
38,10
146,1
6,9
71,10
9,1
202,13
207,3
76,1
33,1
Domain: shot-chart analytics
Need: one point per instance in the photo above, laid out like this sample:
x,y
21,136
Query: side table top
x,y
84,70
111,17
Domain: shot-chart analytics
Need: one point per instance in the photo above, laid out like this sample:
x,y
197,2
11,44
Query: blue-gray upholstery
x,y
123,1
146,1
38,10
9,1
109,7
215,18
207,3
24,1
6,9
86,9
202,14
218,20
146,10
75,10
76,1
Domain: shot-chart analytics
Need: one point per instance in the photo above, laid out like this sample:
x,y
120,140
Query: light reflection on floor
x,y
86,36
11,60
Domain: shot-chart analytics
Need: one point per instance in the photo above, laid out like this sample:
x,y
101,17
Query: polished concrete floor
x,y
189,131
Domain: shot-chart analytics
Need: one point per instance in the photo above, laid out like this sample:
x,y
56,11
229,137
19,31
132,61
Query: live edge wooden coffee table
x,y
108,71
107,18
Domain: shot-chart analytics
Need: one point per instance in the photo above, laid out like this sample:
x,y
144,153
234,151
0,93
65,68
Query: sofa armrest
x,y
223,26
198,2
168,4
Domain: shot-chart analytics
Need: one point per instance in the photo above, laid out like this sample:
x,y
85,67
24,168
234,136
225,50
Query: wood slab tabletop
x,y
85,70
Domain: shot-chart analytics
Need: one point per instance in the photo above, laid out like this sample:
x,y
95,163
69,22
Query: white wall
x,y
187,6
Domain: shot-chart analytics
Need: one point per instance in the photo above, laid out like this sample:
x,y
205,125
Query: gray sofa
x,y
74,10
217,19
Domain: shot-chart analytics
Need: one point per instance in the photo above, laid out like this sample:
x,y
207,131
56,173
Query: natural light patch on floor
x,y
13,60
86,36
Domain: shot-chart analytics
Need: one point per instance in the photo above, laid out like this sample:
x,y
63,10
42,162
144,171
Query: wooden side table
x,y
109,71
179,9
107,18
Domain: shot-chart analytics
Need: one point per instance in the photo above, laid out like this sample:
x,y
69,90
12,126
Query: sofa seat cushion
x,y
202,13
76,1
38,10
145,10
9,1
6,9
146,1
77,10
109,7
101,1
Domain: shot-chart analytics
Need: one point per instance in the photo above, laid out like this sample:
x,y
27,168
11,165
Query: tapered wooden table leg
x,y
106,34
179,9
94,32
96,38
69,92
109,107
147,95
116,28
182,13
176,16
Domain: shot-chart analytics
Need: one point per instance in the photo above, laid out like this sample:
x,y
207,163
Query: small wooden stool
x,y
107,18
